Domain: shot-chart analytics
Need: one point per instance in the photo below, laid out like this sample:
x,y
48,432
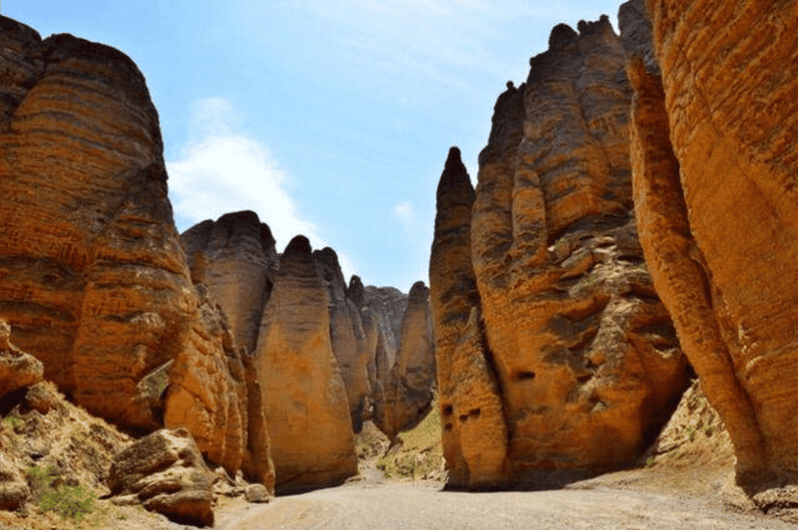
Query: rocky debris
x,y
14,490
582,352
714,167
93,276
405,396
257,493
17,369
308,416
165,472
694,435
50,447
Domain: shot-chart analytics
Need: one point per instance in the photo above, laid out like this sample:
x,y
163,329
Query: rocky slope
x,y
93,278
715,161
553,349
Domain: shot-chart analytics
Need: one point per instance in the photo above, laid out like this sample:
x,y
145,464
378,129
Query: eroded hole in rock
x,y
447,427
463,417
584,378
525,376
474,413
634,260
447,410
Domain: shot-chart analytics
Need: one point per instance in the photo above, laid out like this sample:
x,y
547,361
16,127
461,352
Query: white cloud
x,y
406,213
223,170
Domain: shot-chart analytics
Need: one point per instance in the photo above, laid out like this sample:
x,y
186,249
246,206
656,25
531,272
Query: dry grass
x,y
419,453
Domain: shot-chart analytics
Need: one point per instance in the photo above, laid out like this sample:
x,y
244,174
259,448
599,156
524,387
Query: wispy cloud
x,y
224,170
406,214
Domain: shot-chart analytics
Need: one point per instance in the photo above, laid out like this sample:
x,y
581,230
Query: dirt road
x,y
364,506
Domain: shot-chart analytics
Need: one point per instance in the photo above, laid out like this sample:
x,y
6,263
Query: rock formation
x,y
312,442
93,277
165,472
235,258
405,395
347,336
474,444
715,161
45,441
240,267
578,358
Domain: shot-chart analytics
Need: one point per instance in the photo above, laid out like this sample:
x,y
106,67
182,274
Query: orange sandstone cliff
x,y
93,277
715,163
546,319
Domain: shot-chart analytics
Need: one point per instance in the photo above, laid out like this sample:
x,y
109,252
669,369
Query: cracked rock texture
x,y
93,277
715,161
570,350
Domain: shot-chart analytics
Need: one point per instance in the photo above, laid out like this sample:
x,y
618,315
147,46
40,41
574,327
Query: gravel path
x,y
368,505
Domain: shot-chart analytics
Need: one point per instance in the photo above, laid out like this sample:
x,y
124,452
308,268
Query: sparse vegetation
x,y
12,421
418,454
70,502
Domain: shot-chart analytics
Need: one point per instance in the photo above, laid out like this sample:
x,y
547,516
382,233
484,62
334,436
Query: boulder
x,y
582,351
304,396
17,368
165,472
715,159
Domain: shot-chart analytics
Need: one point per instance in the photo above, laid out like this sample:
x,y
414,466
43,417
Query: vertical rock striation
x,y
347,336
715,161
578,351
312,442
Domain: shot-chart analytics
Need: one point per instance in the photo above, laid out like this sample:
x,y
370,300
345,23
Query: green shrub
x,y
70,502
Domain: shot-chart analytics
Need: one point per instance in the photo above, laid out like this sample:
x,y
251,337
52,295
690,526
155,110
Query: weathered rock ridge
x,y
553,349
380,337
715,162
93,277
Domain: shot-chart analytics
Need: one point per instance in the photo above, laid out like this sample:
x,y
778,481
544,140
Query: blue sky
x,y
328,118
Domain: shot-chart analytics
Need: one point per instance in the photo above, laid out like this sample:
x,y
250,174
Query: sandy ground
x,y
630,500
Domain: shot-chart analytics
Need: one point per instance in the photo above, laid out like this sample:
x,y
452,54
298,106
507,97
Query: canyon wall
x,y
715,162
93,276
547,325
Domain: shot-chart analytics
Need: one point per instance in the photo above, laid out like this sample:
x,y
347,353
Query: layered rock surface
x,y
715,161
93,277
579,359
